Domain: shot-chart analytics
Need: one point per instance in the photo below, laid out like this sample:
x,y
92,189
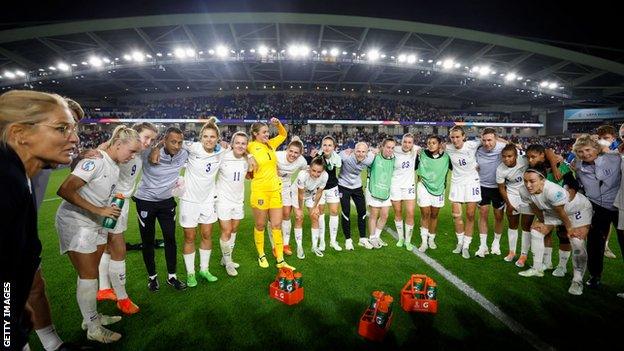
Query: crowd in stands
x,y
300,106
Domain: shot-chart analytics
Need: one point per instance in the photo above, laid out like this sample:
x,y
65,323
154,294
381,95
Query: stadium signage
x,y
592,113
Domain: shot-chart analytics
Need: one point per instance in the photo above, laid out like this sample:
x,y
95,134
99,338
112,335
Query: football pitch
x,y
501,310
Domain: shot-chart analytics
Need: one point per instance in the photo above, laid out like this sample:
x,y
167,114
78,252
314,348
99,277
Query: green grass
x,y
236,313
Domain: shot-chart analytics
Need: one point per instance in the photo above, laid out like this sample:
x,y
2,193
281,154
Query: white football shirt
x,y
311,185
201,173
512,177
231,179
404,175
285,169
552,195
464,162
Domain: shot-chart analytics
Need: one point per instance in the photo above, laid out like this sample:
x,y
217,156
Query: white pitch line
x,y
52,199
494,310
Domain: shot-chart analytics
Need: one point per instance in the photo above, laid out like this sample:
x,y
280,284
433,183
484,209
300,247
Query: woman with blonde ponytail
x,y
86,194
198,201
112,268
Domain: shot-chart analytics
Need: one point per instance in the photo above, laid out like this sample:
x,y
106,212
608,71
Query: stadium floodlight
x,y
9,75
373,55
510,76
484,71
95,61
475,69
448,64
383,55
553,85
253,51
263,50
63,66
544,84
106,60
323,52
148,56
179,53
344,52
211,52
334,52
127,57
159,54
298,50
52,68
457,65
221,50
411,59
520,78
74,65
402,58
189,52
20,73
138,56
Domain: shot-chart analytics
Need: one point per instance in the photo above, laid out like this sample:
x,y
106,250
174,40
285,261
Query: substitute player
x,y
289,162
433,165
112,268
403,191
309,189
86,194
552,207
230,197
378,191
266,197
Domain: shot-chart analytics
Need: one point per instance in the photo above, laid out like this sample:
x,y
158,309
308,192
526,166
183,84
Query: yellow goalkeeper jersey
x,y
265,178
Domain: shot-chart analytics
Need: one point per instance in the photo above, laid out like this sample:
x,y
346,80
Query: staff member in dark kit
x,y
601,176
36,129
154,200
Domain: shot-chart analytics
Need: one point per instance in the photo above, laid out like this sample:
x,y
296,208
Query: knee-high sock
x,y
315,238
279,244
399,229
286,225
512,236
259,241
189,262
103,271
564,256
537,246
579,258
49,338
299,237
466,241
117,273
333,228
526,243
547,256
204,259
460,239
424,235
232,244
86,293
226,250
497,238
483,240
409,229
322,229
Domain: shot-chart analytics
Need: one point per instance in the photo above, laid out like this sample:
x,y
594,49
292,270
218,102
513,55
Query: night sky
x,y
599,24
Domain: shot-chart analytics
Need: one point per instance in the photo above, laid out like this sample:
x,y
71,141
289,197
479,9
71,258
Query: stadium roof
x,y
262,51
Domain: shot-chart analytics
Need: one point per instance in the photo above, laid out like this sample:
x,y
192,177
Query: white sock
x,y
409,229
424,235
204,259
399,229
432,237
537,246
460,238
512,236
321,232
564,256
286,224
189,263
315,238
378,233
579,258
49,338
482,240
153,276
333,228
299,236
497,238
103,271
526,243
117,273
547,256
226,251
466,241
173,275
232,244
86,293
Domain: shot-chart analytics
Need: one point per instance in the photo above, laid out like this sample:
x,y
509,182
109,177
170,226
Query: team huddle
x,y
534,188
